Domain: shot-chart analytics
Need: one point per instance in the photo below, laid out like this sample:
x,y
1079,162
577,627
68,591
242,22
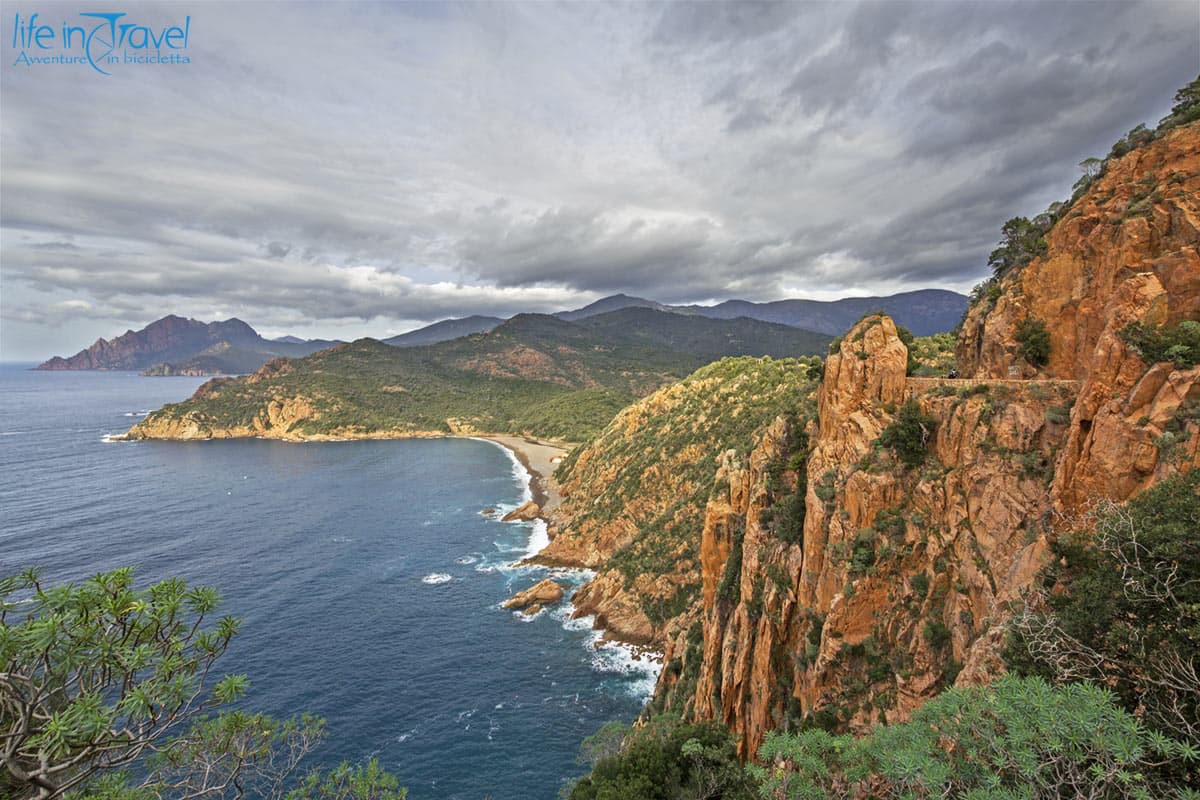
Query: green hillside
x,y
533,374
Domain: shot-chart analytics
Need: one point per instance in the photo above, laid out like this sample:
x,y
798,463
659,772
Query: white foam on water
x,y
518,469
437,578
523,617
539,538
639,667
465,560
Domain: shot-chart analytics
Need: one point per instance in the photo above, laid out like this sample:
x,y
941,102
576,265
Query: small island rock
x,y
540,594
527,512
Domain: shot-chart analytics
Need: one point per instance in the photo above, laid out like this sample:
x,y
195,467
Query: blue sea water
x,y
366,578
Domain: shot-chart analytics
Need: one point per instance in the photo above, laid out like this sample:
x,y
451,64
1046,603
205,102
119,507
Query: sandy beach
x,y
537,457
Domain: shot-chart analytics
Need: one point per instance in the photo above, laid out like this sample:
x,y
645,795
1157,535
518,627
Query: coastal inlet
x,y
324,550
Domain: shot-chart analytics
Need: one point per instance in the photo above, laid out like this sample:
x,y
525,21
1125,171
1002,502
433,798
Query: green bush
x,y
102,676
910,434
1121,606
1186,108
937,634
668,760
1179,344
1017,738
1034,341
1022,241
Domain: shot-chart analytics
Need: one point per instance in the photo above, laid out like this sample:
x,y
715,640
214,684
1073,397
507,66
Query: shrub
x,y
1034,341
937,634
909,434
1022,241
1186,108
910,342
1017,738
1058,415
101,676
667,760
1122,607
1179,344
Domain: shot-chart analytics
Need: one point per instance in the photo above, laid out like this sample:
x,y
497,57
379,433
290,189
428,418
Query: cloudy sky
x,y
349,169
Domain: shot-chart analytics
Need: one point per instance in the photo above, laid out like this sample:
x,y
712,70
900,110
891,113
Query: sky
x,y
346,169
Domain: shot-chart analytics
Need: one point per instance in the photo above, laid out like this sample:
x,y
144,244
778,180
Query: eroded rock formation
x,y
902,578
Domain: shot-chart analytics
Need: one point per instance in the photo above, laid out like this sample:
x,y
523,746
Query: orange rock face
x,y
1129,250
903,578
899,576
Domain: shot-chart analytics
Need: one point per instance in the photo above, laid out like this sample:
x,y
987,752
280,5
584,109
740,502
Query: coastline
x,y
610,652
538,459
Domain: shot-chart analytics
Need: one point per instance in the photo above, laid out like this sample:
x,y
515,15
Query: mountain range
x,y
177,346
533,372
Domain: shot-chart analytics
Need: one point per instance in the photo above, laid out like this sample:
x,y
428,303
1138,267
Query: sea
x,y
366,577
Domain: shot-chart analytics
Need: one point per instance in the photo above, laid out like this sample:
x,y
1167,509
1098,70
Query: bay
x,y
367,580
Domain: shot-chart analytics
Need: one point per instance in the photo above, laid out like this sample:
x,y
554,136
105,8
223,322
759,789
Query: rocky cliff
x,y
634,498
1128,251
849,587
842,584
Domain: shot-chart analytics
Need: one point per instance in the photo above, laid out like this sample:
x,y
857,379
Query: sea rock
x,y
527,512
540,594
531,610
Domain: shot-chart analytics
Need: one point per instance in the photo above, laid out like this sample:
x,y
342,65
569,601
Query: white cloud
x,y
352,168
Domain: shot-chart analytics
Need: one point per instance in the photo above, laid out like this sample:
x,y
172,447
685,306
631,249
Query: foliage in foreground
x,y
1018,738
1121,606
105,693
667,760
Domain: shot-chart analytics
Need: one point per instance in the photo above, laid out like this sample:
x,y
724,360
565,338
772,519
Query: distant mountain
x,y
924,312
705,337
177,346
444,331
614,302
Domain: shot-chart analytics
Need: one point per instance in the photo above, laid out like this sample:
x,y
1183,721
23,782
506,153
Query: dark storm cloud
x,y
440,160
